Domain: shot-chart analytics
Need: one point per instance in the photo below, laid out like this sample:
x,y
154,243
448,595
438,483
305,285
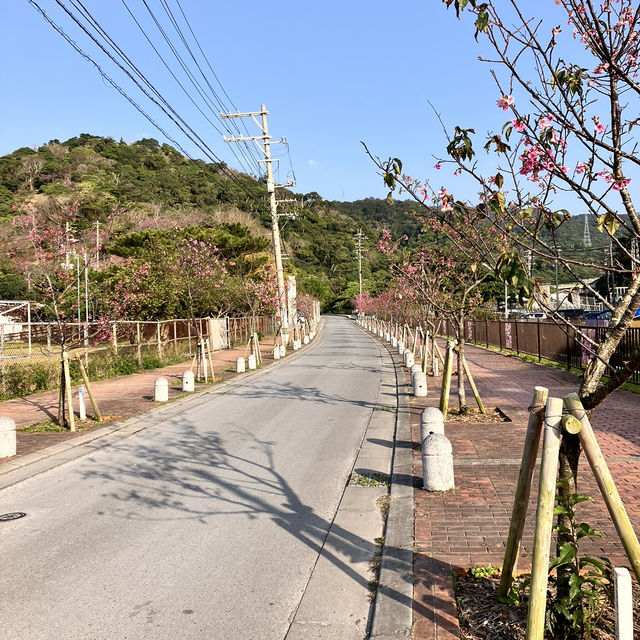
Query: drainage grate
x,y
5,517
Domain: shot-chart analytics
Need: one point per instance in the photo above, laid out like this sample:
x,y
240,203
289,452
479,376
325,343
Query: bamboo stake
x,y
67,390
87,384
605,483
523,489
446,380
61,397
472,384
203,359
425,353
415,342
213,375
544,520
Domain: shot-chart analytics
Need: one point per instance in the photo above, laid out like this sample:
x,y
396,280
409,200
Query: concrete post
x,y
437,463
240,364
82,406
416,367
276,352
188,381
306,340
431,421
419,384
161,390
394,342
283,351
251,361
409,360
7,437
623,604
400,347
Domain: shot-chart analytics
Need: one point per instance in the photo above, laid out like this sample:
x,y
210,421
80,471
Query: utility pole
x,y
265,148
359,237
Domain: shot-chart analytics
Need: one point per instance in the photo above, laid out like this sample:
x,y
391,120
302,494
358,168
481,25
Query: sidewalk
x,y
469,526
117,398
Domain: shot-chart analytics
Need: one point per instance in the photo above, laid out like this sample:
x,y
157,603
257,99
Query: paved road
x,y
206,525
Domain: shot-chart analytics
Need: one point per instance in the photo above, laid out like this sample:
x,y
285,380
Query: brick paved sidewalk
x,y
469,527
117,398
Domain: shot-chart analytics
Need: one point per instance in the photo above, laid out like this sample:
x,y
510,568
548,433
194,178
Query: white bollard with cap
x,y
251,361
188,381
394,342
416,367
306,340
409,360
400,347
161,390
431,421
276,352
437,463
240,365
419,384
283,351
7,437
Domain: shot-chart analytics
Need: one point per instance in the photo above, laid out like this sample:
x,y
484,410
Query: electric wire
x,y
168,110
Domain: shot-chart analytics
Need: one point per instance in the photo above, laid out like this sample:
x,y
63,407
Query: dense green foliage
x,y
142,190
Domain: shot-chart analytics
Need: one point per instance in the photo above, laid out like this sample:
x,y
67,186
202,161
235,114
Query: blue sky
x,y
330,73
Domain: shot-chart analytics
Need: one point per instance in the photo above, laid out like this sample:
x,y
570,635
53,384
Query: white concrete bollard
x,y
161,389
380,333
394,342
431,421
276,352
416,367
295,345
251,361
7,437
82,406
623,603
387,337
400,347
188,381
240,365
419,384
409,360
312,335
437,463
305,340
283,351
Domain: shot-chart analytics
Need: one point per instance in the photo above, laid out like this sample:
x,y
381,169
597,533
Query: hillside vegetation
x,y
141,195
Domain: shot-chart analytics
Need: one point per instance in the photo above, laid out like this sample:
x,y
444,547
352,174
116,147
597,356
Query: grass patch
x,y
369,480
42,427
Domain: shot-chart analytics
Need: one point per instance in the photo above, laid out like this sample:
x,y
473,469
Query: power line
x,y
168,110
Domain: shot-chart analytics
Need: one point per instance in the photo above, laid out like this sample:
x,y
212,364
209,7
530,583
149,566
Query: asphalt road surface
x,y
205,525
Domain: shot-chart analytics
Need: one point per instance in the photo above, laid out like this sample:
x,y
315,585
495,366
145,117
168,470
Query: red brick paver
x,y
469,526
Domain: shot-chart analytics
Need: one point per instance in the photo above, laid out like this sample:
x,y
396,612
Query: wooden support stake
x,y
446,380
67,391
472,384
61,397
544,520
523,489
425,352
213,375
605,483
415,342
87,384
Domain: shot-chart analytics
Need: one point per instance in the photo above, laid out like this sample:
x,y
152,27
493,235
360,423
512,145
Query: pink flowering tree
x,y
567,102
566,144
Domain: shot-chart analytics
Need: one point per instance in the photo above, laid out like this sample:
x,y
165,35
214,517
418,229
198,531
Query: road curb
x,y
393,607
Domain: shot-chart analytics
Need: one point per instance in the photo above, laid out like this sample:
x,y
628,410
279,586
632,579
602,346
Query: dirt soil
x,y
474,415
482,617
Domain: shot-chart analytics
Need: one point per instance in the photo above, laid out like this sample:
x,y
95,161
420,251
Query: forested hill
x,y
145,186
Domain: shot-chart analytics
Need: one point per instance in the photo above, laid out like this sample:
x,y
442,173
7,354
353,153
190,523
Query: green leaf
x,y
567,553
499,180
482,21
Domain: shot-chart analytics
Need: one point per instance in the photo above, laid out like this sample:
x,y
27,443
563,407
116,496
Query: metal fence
x,y
547,340
30,352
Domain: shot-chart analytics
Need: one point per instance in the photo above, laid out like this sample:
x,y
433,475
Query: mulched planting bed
x,y
474,415
482,617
